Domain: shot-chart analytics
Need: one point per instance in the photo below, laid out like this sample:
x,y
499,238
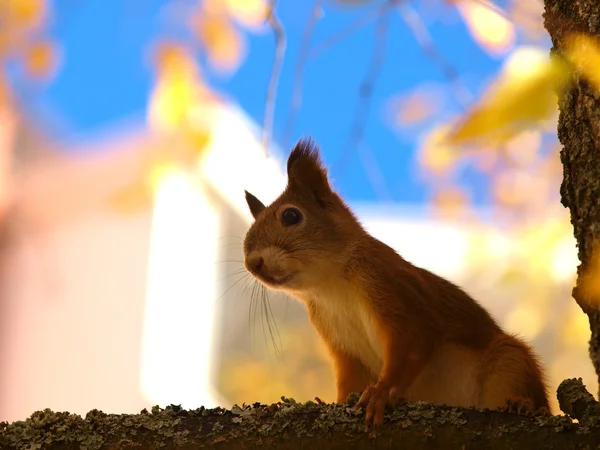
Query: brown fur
x,y
391,327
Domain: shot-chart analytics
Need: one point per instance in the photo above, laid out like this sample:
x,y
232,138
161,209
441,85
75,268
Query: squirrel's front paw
x,y
375,399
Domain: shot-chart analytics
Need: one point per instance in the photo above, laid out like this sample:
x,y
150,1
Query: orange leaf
x,y
173,57
222,42
417,106
40,58
28,13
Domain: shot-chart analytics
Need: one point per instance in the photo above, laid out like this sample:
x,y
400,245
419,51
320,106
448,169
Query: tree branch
x,y
303,54
413,21
348,30
366,88
290,425
280,44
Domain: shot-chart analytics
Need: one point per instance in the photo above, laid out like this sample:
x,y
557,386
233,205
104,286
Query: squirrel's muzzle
x,y
255,264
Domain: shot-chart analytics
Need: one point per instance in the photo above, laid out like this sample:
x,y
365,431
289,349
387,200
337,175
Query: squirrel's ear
x,y
255,205
306,171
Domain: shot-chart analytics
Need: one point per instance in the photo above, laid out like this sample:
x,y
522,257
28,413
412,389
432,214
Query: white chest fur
x,y
343,315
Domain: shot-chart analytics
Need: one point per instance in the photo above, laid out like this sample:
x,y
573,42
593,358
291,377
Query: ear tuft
x,y
305,150
306,171
255,205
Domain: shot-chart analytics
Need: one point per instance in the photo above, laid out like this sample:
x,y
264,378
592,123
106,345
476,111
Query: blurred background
x,y
129,131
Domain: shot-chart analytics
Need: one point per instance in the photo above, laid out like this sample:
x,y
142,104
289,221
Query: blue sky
x,y
105,80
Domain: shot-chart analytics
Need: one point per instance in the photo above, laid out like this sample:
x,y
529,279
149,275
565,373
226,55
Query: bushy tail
x,y
510,371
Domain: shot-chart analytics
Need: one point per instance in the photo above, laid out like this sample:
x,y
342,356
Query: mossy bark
x,y
579,133
290,425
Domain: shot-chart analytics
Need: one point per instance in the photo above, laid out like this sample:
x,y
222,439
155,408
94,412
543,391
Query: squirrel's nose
x,y
256,263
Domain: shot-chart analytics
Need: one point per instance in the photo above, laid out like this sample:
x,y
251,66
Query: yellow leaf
x,y
522,96
40,58
177,89
170,101
222,42
584,52
489,28
250,13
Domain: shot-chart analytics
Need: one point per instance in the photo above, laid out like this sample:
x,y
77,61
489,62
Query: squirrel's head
x,y
298,240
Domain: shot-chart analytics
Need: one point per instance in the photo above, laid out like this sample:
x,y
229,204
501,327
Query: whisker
x,y
229,236
230,287
237,272
271,318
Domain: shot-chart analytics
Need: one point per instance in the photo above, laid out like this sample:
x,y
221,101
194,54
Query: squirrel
x,y
395,331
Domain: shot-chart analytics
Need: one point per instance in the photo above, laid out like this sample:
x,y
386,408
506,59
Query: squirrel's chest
x,y
342,318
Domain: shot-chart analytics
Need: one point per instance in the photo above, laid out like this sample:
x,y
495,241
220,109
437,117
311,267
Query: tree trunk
x,y
579,133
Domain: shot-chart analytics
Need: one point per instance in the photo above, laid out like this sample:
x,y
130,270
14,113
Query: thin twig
x,y
374,173
303,54
280,43
365,90
348,30
418,28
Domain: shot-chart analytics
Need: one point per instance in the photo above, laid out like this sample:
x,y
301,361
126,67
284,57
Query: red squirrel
x,y
394,330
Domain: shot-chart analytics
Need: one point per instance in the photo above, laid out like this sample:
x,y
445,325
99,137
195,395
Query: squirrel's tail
x,y
511,376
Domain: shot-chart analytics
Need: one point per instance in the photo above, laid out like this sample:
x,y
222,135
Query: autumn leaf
x,y
170,101
40,58
490,29
177,88
417,106
584,52
24,13
172,57
221,40
524,95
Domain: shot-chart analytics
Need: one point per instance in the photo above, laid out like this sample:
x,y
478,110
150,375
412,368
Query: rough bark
x,y
292,425
579,133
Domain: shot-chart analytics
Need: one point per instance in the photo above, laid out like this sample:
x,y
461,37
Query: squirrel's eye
x,y
291,216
